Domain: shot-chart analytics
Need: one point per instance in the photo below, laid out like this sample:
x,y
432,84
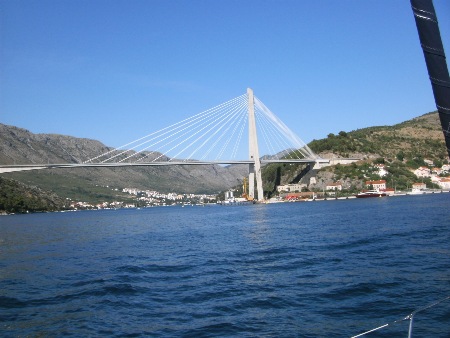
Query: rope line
x,y
280,143
222,125
237,117
189,128
238,140
215,134
289,134
198,131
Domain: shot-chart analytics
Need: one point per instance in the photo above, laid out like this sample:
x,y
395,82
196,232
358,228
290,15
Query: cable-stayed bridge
x,y
240,131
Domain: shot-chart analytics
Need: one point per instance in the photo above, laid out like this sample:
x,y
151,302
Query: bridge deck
x,y
22,167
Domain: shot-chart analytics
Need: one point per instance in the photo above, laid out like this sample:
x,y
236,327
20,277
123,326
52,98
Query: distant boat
x,y
370,193
235,201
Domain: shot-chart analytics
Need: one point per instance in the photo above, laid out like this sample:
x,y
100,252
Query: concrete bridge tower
x,y
255,167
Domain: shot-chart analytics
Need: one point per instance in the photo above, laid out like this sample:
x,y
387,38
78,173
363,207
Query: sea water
x,y
306,269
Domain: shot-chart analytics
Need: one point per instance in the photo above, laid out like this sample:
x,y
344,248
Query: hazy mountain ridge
x,y
20,146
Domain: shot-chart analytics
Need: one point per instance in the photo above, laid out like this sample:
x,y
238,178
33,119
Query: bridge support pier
x,y
255,167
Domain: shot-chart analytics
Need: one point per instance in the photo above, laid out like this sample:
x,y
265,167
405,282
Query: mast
x,y
433,50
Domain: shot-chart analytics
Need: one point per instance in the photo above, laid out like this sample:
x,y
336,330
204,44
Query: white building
x,y
435,179
436,171
418,186
377,185
229,194
444,183
381,168
334,186
291,187
422,172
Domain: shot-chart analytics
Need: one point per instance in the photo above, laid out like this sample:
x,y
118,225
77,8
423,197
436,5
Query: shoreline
x,y
427,192
430,192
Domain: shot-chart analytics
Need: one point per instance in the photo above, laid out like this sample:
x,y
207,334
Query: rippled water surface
x,y
312,269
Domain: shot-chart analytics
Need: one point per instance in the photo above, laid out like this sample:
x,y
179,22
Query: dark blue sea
x,y
307,269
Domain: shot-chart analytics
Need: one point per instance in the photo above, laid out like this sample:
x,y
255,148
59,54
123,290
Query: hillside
x,y
421,136
403,147
20,146
16,197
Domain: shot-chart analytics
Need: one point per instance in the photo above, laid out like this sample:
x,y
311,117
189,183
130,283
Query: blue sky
x,y
116,70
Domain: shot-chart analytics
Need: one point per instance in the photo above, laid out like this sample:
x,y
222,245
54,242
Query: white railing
x,y
409,317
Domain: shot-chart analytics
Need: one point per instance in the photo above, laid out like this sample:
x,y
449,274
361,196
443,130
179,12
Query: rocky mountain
x,y
20,146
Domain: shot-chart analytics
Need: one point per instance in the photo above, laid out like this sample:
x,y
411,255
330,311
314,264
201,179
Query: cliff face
x,y
19,146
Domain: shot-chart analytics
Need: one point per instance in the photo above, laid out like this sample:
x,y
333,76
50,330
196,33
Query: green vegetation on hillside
x,y
16,197
402,147
71,186
400,176
421,136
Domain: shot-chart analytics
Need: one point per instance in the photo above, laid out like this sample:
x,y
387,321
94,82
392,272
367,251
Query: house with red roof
x,y
444,183
334,186
377,185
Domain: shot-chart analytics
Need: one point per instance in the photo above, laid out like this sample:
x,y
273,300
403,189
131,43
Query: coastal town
x,y
439,176
147,198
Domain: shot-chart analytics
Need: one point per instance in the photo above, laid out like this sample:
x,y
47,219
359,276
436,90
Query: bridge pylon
x,y
255,167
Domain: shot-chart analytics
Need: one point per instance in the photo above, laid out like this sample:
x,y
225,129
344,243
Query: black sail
x,y
433,50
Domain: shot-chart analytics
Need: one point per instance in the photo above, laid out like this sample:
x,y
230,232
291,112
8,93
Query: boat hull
x,y
370,195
